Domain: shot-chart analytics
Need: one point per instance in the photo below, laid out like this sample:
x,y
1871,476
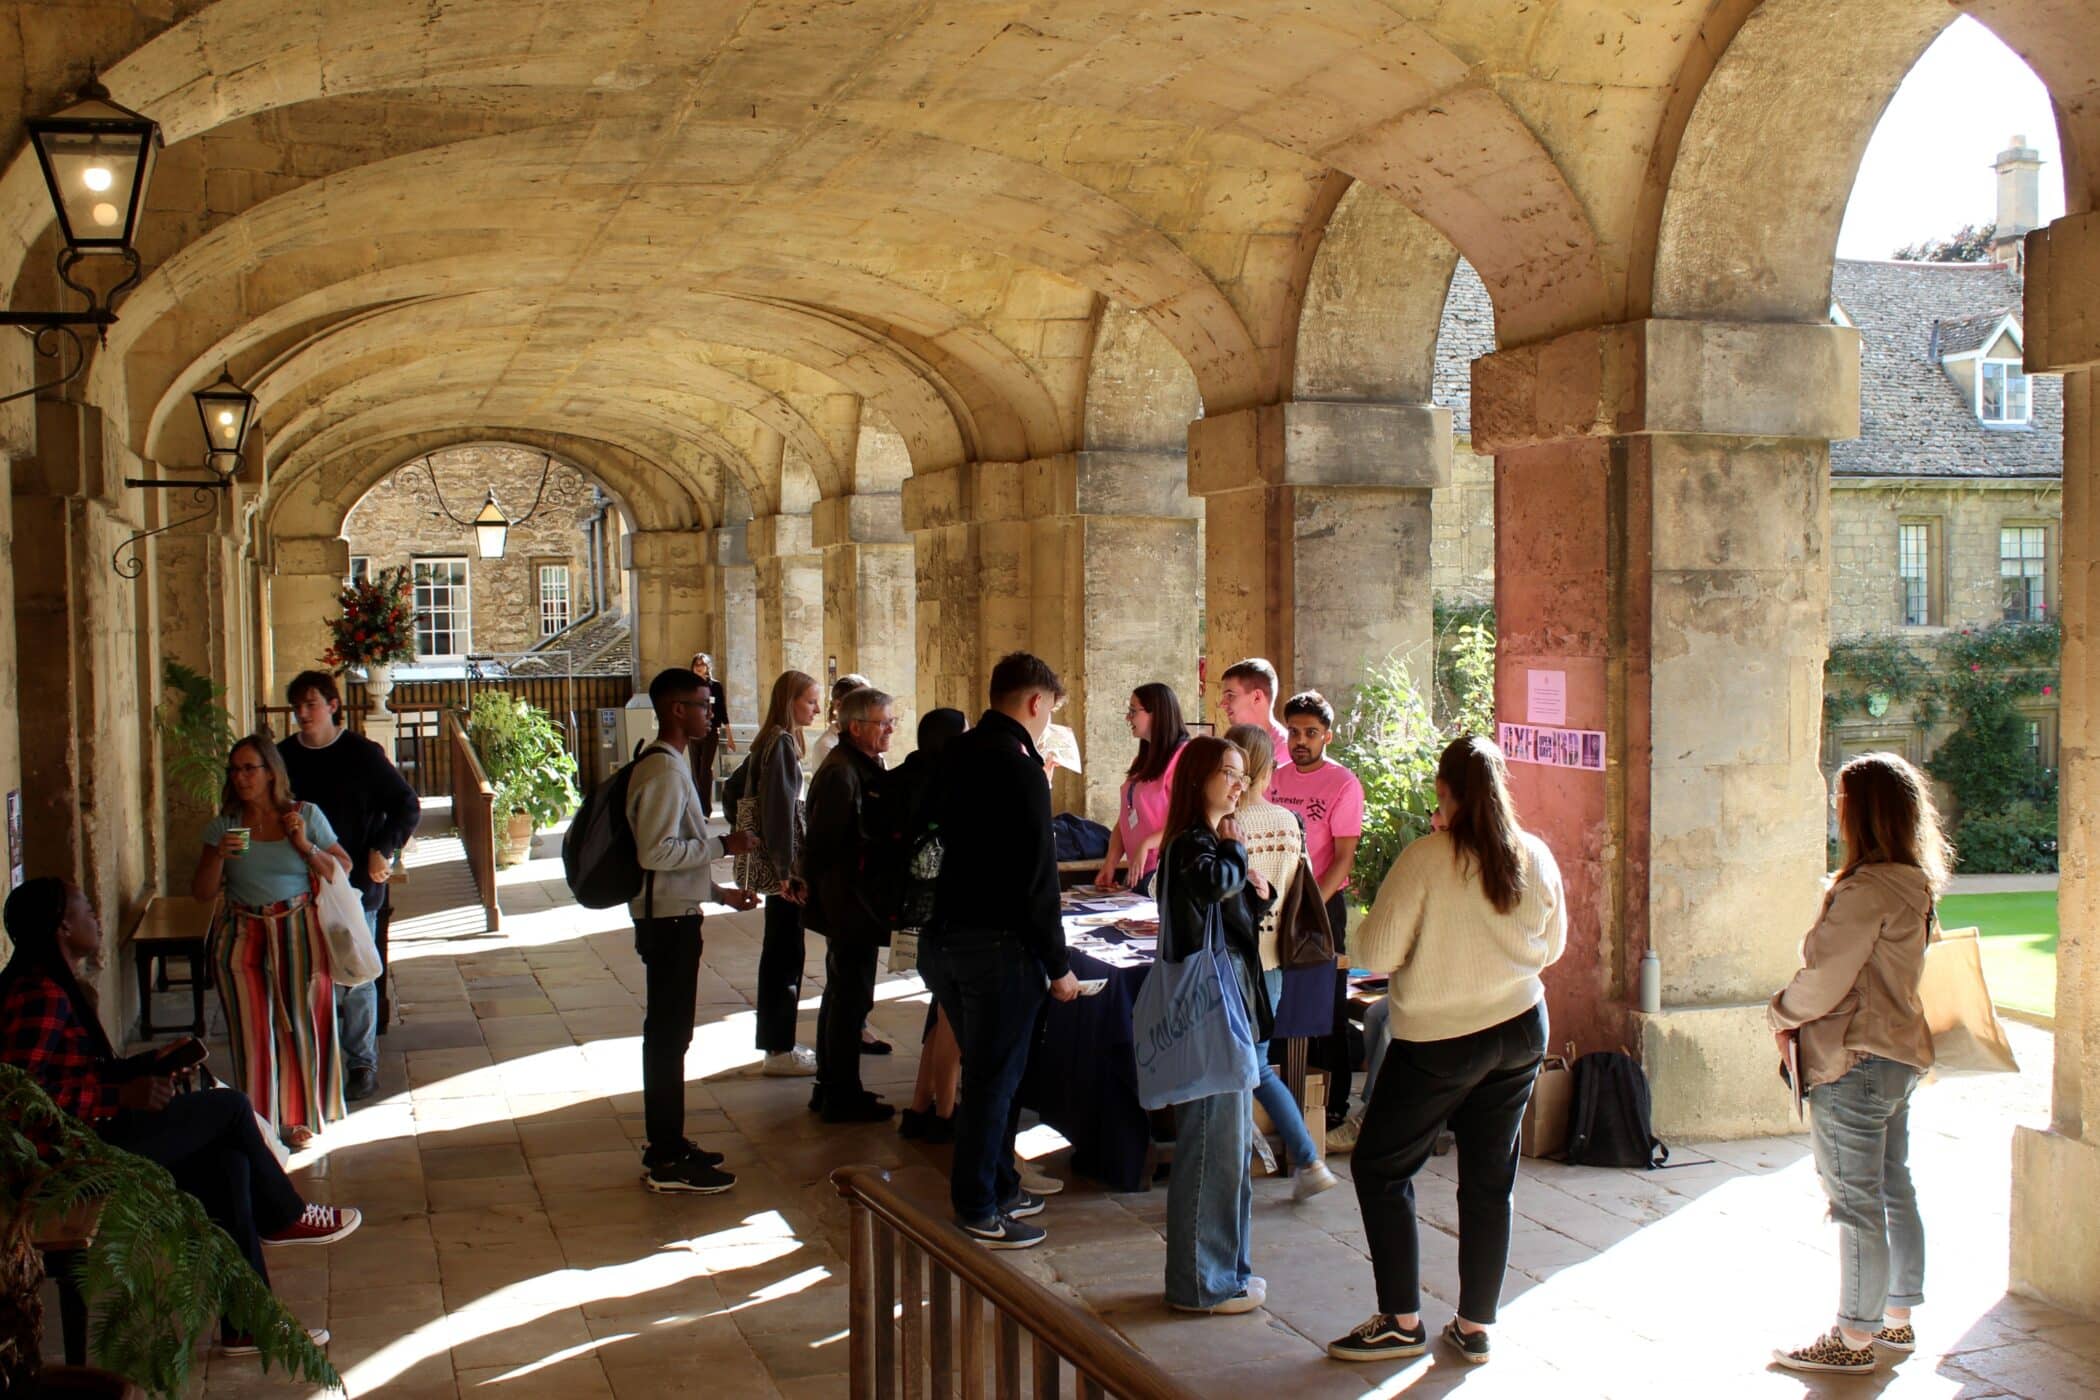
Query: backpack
x,y
1608,1118
1075,838
598,855
902,866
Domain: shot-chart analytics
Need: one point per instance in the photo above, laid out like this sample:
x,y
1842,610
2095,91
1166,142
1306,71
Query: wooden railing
x,y
931,1311
474,813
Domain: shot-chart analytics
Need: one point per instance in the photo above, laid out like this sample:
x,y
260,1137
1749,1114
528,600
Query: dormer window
x,y
2001,393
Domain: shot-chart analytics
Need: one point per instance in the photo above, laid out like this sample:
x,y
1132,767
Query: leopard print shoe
x,y
1901,1337
1827,1353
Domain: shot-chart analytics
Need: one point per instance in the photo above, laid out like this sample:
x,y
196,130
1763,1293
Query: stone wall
x,y
399,521
1462,540
1865,592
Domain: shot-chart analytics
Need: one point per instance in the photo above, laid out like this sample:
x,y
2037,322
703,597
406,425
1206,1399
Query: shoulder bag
x,y
754,869
1192,1035
1967,1037
1304,938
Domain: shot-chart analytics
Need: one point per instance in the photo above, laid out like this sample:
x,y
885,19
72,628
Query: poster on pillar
x,y
1552,748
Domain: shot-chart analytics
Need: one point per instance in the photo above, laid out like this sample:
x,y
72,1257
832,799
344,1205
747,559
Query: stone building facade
x,y
557,570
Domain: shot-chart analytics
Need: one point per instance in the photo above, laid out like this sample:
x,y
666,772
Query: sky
x,y
1928,169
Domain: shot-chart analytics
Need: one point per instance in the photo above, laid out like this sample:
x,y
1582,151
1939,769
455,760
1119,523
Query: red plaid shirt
x,y
40,1034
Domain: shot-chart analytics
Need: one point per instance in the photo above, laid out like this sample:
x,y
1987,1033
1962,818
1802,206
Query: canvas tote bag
x,y
1190,1026
1967,1036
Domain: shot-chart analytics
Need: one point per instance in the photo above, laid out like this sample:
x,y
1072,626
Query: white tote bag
x,y
353,958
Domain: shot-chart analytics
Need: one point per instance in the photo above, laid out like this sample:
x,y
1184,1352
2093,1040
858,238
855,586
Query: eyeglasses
x,y
885,725
246,768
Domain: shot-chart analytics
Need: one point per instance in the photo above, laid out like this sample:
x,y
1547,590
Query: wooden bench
x,y
173,925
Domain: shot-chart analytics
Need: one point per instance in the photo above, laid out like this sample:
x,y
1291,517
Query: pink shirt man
x,y
1331,802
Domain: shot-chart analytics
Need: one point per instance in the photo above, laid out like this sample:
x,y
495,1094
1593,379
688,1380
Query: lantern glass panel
x,y
97,159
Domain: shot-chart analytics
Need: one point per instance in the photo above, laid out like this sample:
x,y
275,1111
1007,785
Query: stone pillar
x,y
790,597
673,597
306,573
736,629
1662,497
1088,559
2056,1173
870,617
1317,536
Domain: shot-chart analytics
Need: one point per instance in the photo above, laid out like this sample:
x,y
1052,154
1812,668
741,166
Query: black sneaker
x,y
1380,1339
689,1176
1472,1347
687,1150
865,1108
1024,1204
360,1084
1005,1232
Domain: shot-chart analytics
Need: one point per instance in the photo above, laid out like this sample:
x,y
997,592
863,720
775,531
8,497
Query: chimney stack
x,y
2019,168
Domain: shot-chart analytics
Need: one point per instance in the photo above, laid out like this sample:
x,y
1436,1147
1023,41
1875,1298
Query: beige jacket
x,y
1857,991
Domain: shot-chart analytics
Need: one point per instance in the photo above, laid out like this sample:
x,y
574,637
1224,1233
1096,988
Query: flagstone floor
x,y
508,1248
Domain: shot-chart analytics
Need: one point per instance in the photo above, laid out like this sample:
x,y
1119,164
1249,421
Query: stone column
x,y
790,597
1317,536
673,597
870,613
1089,560
306,573
736,628
1662,497
2056,1172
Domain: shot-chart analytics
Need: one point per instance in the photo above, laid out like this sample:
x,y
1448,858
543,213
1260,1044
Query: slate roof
x,y
1915,420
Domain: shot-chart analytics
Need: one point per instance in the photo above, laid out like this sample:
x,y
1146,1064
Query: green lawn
x,y
2019,944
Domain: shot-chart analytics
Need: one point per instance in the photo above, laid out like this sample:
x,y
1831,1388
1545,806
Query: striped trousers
x,y
272,968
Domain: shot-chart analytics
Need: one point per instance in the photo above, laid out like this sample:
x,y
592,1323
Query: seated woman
x,y
207,1139
266,851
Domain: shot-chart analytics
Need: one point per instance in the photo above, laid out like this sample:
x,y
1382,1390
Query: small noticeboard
x,y
1546,697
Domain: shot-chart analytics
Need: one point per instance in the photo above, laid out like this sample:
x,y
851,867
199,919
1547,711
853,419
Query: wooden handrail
x,y
474,813
893,1235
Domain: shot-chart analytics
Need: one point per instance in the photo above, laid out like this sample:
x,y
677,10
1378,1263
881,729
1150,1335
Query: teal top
x,y
272,871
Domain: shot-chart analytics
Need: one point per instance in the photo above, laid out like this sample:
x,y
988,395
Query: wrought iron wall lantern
x,y
491,528
227,411
97,158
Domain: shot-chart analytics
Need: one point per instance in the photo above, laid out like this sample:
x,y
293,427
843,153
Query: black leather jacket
x,y
1204,875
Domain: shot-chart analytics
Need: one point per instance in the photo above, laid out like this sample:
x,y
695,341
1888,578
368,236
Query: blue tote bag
x,y
1189,1025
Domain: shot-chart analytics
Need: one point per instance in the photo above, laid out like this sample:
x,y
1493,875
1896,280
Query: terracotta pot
x,y
516,842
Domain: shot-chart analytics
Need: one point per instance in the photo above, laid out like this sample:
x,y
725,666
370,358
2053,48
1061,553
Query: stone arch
x,y
1367,327
1141,394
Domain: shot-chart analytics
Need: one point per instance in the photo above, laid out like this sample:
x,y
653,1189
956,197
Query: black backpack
x,y
902,866
598,855
1608,1118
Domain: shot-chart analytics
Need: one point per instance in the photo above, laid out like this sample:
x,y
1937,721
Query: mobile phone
x,y
184,1054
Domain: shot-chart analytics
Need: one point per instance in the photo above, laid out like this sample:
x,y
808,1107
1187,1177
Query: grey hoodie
x,y
1857,991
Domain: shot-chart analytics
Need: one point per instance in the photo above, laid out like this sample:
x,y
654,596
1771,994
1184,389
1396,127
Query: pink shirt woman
x,y
1141,807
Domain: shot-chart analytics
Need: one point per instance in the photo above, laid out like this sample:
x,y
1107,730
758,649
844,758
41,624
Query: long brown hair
x,y
780,719
1169,733
1201,758
1485,824
1888,818
1259,749
280,797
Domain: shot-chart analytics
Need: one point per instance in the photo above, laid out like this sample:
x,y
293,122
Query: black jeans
x,y
849,994
670,950
779,975
1479,1084
209,1142
992,994
1332,1052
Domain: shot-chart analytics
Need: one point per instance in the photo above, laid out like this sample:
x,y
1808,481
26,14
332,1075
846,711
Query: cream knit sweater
x,y
1458,965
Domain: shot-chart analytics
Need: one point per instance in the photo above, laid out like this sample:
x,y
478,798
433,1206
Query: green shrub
x,y
523,754
196,734
2021,840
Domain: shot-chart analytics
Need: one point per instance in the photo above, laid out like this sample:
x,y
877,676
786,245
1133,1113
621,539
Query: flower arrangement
x,y
377,624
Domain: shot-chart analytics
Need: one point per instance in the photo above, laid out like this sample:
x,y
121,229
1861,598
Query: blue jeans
x,y
357,1016
1210,1201
1275,1097
1860,1128
992,993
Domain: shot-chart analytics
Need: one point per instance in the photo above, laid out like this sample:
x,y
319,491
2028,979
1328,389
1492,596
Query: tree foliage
x,y
523,754
1971,243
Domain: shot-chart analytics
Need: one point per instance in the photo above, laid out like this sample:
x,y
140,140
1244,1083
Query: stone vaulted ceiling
x,y
719,236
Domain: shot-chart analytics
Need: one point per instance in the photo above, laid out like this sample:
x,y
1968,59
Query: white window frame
x,y
2014,373
555,612
360,567
459,608
2026,567
1925,580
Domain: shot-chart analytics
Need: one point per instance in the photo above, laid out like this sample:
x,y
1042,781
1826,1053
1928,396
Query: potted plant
x,y
196,734
375,630
158,1275
527,763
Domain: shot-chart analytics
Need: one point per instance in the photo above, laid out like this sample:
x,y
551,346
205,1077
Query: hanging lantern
x,y
97,157
491,530
226,410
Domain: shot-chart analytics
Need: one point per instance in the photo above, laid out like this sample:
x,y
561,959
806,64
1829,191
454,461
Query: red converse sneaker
x,y
318,1224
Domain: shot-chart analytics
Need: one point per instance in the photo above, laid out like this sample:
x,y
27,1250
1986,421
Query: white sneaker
x,y
1312,1180
1343,1139
1040,1183
798,1063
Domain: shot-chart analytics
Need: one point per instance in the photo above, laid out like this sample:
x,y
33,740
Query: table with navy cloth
x,y
1082,1076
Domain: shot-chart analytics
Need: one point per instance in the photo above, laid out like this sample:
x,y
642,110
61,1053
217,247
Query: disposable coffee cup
x,y
240,838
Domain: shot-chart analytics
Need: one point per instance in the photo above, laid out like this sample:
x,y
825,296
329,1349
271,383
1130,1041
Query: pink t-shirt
x,y
1329,799
1144,812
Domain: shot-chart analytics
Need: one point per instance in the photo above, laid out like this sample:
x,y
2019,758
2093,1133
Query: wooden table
x,y
62,1241
173,925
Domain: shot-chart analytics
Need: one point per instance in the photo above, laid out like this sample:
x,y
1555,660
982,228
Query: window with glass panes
x,y
2001,392
1914,570
554,598
442,613
2023,560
